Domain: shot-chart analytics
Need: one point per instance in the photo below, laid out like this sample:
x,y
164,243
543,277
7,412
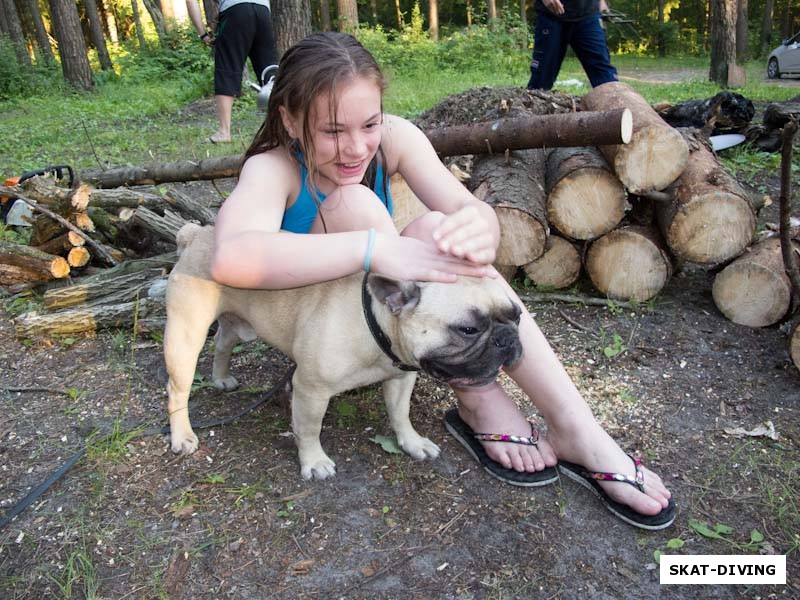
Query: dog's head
x,y
462,333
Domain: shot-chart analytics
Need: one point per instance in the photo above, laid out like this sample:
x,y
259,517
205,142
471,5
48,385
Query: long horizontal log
x,y
585,128
534,131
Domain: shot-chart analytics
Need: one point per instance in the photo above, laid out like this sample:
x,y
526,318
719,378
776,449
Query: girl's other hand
x,y
465,234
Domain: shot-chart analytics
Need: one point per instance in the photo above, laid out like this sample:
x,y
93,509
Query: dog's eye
x,y
468,330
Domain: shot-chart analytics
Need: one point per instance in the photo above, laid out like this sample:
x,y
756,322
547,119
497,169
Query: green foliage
x,y
16,82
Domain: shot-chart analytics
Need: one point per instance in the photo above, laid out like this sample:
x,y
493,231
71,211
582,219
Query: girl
x,y
312,204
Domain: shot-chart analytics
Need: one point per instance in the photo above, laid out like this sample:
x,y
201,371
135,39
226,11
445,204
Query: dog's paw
x,y
185,444
226,384
419,448
320,469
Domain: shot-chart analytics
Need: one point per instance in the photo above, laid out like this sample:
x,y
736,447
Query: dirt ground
x,y
235,520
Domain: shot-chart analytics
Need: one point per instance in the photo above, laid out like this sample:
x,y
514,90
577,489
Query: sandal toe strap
x,y
636,481
532,440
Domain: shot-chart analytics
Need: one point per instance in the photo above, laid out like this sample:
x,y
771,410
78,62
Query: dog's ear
x,y
396,295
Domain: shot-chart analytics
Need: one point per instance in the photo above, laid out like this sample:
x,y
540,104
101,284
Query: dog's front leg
x,y
397,395
308,409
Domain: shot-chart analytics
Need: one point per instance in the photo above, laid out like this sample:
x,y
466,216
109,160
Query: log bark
x,y
558,268
44,190
186,170
514,187
794,344
531,131
24,264
117,198
90,290
709,218
584,197
754,289
656,154
191,207
777,114
165,227
407,206
63,243
507,272
87,319
629,263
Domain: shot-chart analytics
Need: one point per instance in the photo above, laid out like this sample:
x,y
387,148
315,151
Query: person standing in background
x,y
575,23
244,30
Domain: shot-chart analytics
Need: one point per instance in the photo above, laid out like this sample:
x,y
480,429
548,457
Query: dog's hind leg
x,y
184,336
397,395
231,330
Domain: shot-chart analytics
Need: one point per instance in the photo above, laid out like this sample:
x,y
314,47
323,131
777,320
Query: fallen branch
x,y
574,299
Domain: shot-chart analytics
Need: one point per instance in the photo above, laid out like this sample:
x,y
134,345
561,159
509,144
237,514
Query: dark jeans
x,y
587,39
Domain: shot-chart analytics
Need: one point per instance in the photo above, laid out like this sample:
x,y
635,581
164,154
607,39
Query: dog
x,y
342,334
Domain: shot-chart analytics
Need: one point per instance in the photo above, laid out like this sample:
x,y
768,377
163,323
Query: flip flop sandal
x,y
472,442
590,479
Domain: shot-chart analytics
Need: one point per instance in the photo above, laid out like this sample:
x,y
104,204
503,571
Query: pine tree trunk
x,y
96,32
13,27
158,20
41,33
137,20
291,22
325,15
348,15
433,19
722,16
71,45
766,27
742,33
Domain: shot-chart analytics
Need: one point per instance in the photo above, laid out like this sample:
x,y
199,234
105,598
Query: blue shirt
x,y
299,217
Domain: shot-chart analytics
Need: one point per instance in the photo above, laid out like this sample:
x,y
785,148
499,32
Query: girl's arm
x,y
251,252
470,229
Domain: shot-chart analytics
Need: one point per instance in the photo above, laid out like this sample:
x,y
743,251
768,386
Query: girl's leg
x,y
573,432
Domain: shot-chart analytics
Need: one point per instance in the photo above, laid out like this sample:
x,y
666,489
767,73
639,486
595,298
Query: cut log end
x,y
626,126
522,237
558,268
626,265
587,204
712,228
754,290
655,157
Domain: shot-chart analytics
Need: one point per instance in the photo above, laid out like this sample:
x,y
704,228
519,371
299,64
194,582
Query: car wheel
x,y
773,72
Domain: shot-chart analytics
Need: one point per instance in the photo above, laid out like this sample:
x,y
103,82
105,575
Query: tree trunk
x,y
325,15
742,33
291,22
42,38
71,45
491,10
754,290
656,154
13,27
158,20
399,15
584,198
629,263
108,22
709,218
532,131
137,20
722,17
514,187
433,19
558,268
766,27
96,31
211,11
25,264
348,15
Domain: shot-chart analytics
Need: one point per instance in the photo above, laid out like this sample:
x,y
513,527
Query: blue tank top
x,y
299,217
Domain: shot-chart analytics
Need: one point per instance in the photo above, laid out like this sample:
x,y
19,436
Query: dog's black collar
x,y
384,343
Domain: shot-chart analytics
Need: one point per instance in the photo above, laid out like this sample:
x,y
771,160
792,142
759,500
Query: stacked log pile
x,y
611,191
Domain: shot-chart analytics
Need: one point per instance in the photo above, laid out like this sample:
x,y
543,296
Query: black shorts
x,y
244,30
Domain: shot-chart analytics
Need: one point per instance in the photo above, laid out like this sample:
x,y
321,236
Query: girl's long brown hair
x,y
318,64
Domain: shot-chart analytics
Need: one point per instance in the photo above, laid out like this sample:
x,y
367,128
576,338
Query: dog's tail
x,y
186,234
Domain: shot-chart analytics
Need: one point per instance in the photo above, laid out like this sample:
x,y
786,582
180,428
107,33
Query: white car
x,y
785,59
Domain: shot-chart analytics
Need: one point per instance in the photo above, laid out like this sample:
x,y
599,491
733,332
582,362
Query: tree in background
x,y
12,26
71,44
722,20
433,19
742,32
291,21
348,15
766,27
96,33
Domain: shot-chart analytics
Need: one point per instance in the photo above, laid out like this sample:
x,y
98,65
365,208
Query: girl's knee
x,y
422,227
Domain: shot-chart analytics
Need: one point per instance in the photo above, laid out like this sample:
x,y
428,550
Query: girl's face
x,y
345,143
